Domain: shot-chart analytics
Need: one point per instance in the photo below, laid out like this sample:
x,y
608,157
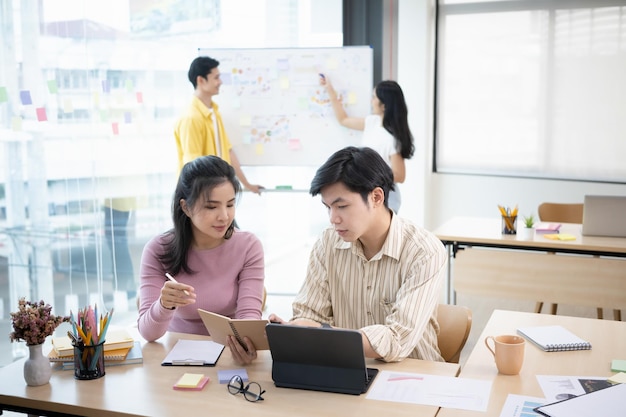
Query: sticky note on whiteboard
x,y
245,120
294,145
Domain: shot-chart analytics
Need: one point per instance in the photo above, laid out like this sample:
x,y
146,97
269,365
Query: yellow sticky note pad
x,y
560,236
284,83
189,380
618,378
351,97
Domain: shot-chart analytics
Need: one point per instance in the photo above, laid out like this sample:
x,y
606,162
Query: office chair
x,y
565,213
455,323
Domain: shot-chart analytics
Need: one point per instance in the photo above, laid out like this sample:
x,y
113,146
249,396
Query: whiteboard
x,y
274,110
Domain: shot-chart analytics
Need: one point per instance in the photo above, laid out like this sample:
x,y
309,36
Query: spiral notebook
x,y
554,338
220,327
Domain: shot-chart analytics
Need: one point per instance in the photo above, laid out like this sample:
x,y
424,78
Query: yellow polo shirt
x,y
194,133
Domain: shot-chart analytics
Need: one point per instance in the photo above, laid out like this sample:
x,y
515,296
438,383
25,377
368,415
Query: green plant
x,y
529,221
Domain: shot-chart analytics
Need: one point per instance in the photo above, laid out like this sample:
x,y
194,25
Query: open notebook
x,y
554,338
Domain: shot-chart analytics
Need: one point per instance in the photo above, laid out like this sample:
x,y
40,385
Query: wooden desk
x,y
589,271
608,341
146,390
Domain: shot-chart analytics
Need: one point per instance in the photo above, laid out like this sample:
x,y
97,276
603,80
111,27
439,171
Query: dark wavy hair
x,y
395,118
197,179
359,169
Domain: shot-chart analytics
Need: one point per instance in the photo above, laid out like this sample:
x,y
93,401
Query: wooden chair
x,y
561,212
455,323
565,213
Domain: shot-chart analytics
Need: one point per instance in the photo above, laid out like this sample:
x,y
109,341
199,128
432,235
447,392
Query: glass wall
x,y
89,93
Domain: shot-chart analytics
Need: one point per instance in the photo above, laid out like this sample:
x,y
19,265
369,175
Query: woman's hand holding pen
x,y
175,294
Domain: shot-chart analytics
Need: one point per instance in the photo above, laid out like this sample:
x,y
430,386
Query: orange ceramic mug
x,y
508,352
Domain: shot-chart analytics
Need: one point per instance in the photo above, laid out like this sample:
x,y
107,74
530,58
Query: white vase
x,y
528,233
37,369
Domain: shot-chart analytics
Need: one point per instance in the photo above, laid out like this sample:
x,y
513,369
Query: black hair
x,y
201,66
359,169
197,179
395,117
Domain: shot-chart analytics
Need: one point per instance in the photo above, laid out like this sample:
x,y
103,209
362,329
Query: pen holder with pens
x,y
509,225
88,360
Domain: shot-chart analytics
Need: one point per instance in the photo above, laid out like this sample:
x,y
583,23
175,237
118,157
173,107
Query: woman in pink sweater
x,y
216,267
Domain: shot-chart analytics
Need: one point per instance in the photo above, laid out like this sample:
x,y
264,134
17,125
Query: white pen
x,y
171,278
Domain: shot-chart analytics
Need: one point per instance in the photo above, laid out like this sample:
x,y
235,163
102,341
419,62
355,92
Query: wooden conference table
x,y
146,390
607,338
588,271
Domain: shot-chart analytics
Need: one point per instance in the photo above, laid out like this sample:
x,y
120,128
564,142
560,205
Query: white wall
x,y
430,199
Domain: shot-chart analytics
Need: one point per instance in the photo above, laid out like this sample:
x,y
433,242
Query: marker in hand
x,y
171,278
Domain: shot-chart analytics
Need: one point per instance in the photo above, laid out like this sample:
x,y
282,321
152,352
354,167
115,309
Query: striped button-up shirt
x,y
391,298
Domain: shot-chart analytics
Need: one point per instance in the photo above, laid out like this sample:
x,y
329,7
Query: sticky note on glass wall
x,y
3,95
116,128
52,86
258,149
25,97
284,83
351,97
16,124
41,114
106,87
68,107
139,96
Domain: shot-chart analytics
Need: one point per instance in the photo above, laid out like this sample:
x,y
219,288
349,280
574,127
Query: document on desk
x,y
193,353
559,387
521,406
440,391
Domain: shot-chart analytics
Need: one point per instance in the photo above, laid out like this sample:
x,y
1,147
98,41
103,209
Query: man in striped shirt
x,y
372,270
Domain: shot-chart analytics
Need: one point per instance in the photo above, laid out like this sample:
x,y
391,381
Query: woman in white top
x,y
386,130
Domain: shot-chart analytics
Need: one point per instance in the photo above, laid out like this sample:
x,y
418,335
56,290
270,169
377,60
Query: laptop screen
x,y
604,216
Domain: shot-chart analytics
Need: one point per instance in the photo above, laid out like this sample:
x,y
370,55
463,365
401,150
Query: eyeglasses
x,y
251,392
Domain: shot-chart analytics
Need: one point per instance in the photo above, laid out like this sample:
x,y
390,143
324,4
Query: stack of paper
x,y
132,356
116,339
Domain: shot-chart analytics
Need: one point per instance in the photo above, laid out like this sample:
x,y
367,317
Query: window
x,y
89,92
532,88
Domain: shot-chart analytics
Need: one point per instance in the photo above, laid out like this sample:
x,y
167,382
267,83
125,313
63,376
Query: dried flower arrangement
x,y
33,322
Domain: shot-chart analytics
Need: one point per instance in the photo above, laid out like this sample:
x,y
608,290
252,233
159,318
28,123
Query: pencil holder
x,y
509,225
88,361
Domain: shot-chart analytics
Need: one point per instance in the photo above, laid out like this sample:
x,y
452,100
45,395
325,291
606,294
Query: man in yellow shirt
x,y
200,131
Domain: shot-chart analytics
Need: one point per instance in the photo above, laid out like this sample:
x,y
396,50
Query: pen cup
x,y
88,361
509,225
